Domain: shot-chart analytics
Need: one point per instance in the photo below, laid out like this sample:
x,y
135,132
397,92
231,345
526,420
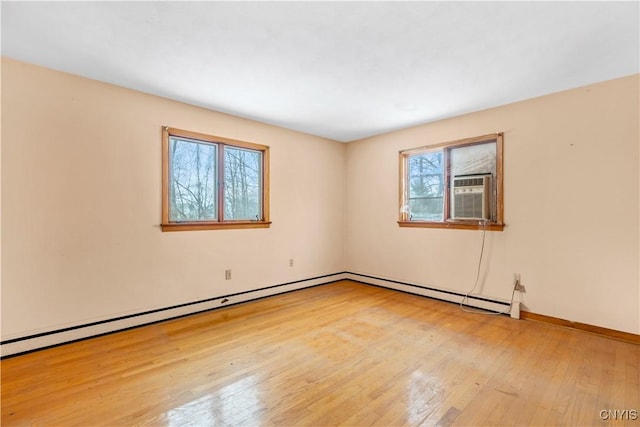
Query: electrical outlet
x,y
227,274
290,262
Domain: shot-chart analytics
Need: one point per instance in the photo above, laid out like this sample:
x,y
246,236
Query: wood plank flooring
x,y
338,354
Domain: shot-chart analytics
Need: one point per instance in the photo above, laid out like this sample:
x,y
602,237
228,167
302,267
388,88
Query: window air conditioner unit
x,y
470,197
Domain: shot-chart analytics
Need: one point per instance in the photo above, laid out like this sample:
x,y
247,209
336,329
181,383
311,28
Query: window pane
x,y
476,160
192,190
242,184
426,186
426,209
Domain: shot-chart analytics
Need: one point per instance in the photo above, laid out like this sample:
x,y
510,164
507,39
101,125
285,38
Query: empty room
x,y
320,213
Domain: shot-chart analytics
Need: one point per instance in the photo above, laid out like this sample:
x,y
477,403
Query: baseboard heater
x,y
14,346
491,304
39,340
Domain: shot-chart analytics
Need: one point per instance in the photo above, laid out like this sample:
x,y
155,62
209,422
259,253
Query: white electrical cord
x,y
466,296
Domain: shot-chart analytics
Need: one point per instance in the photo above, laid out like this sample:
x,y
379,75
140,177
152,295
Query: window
x,y
211,182
453,185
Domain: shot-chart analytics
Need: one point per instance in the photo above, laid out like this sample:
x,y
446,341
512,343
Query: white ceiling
x,y
341,70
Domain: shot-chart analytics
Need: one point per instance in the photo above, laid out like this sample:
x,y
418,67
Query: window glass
x,y
242,184
474,159
426,186
192,189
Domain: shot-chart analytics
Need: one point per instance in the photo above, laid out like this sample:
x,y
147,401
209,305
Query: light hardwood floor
x,y
338,354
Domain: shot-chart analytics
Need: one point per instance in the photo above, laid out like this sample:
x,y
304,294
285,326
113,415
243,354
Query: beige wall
x,y
81,205
571,207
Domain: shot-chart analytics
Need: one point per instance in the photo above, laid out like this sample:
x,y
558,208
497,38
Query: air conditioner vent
x,y
468,182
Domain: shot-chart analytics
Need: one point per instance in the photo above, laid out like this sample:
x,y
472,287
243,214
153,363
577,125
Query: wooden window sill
x,y
459,225
191,226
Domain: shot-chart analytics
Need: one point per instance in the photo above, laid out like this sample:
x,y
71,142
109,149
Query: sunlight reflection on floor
x,y
234,404
424,396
